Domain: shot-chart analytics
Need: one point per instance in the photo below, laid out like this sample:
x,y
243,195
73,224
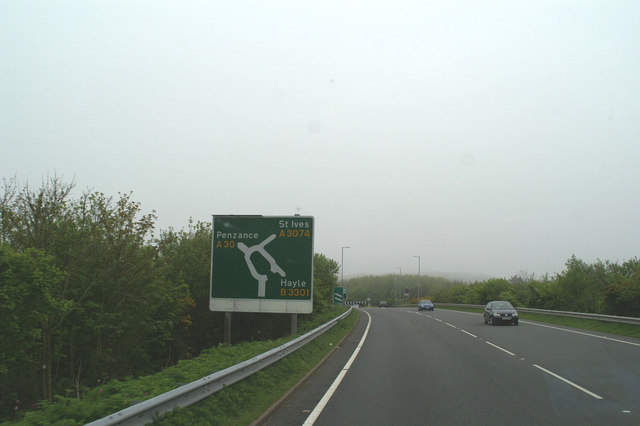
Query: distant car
x,y
426,305
383,304
499,312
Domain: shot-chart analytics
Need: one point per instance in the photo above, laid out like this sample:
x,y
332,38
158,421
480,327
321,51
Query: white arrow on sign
x,y
262,278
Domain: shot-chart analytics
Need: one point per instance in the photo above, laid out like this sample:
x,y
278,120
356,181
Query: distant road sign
x,y
338,295
262,264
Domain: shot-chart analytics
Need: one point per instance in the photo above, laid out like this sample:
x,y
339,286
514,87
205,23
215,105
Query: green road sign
x,y
262,264
338,295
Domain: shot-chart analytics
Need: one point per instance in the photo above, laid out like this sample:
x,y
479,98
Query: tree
x,y
127,310
622,297
112,312
492,289
7,199
580,287
31,311
452,293
538,294
325,278
186,257
36,218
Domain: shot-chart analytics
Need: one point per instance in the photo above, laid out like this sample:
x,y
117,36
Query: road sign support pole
x,y
227,327
294,324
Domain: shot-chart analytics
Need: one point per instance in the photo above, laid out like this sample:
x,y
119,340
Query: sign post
x,y
338,295
262,264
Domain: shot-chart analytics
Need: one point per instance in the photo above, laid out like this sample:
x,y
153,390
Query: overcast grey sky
x,y
487,137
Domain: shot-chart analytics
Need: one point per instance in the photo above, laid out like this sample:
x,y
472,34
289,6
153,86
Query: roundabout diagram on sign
x,y
261,278
262,264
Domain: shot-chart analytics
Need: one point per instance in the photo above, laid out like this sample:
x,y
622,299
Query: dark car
x,y
499,312
426,305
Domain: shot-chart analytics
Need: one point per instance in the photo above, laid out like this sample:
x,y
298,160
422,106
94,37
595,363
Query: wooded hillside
x,y
90,292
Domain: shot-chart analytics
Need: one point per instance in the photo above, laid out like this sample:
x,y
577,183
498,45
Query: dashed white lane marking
x,y
502,349
588,392
470,334
327,396
568,382
564,329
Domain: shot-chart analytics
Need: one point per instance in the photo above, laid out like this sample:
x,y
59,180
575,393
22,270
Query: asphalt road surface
x,y
449,368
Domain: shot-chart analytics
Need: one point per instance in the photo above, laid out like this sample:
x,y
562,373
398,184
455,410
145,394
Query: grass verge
x,y
246,400
237,404
620,329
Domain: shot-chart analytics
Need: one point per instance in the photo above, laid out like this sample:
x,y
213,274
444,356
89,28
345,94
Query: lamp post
x,y
418,276
399,283
342,265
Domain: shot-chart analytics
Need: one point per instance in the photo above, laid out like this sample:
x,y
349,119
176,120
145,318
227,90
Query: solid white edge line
x,y
568,382
327,396
588,392
502,349
563,329
582,332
